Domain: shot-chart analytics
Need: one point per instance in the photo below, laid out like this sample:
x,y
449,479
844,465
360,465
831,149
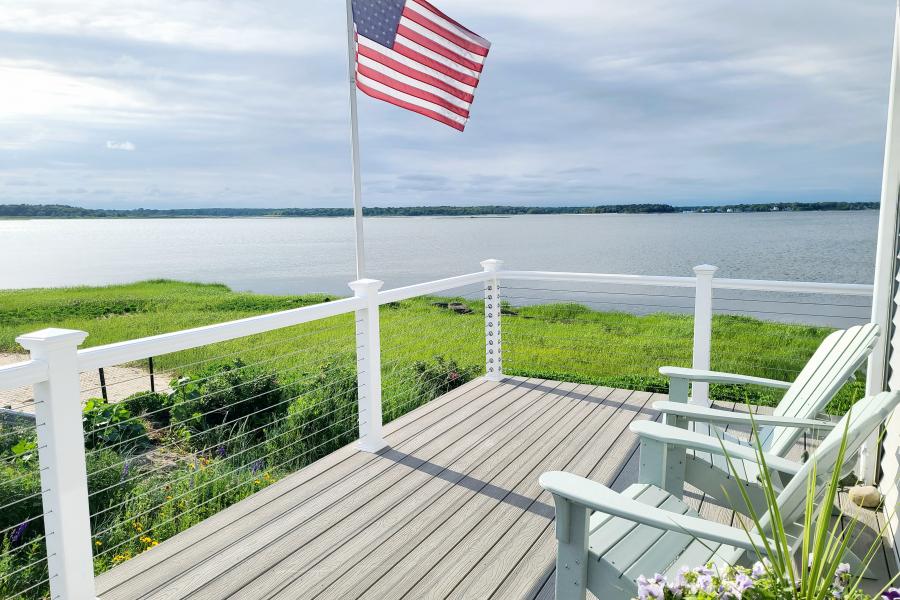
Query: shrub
x,y
107,423
152,404
438,377
321,419
224,394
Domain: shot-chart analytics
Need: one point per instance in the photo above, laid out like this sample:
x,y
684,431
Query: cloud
x,y
245,104
126,146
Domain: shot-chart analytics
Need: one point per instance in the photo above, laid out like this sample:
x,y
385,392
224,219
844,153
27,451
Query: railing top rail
x,y
654,280
22,374
803,287
432,287
122,352
762,285
30,372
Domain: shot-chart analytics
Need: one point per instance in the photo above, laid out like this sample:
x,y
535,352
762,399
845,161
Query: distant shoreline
x,y
61,211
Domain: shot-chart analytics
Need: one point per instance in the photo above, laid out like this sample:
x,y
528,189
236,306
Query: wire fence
x,y
429,346
24,571
171,440
620,335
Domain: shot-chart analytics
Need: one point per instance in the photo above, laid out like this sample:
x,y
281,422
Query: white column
x,y
60,438
368,365
702,330
493,346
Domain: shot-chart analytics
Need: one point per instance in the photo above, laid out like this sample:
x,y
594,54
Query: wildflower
x,y
256,466
155,543
267,477
125,469
741,584
98,543
168,497
220,451
257,482
651,588
18,532
891,594
760,568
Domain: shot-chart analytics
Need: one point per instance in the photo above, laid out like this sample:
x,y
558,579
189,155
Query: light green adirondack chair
x,y
646,529
835,362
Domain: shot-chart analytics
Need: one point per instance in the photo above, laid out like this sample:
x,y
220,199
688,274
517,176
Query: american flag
x,y
414,56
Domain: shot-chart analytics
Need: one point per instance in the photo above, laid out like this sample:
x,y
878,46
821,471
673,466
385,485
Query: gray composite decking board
x,y
299,566
189,546
450,508
458,563
387,576
384,547
329,466
602,459
259,551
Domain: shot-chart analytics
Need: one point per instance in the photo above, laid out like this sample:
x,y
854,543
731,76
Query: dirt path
x,y
121,382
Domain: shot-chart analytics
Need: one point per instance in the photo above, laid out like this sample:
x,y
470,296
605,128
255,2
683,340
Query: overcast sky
x,y
233,103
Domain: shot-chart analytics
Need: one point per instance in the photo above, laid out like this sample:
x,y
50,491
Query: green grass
x,y
426,350
560,341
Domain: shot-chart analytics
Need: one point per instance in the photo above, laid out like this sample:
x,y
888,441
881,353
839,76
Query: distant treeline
x,y
61,211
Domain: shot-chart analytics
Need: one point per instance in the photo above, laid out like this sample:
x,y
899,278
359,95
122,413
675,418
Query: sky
x,y
214,103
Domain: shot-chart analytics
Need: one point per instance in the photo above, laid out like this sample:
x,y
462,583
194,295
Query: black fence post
x,y
103,384
152,383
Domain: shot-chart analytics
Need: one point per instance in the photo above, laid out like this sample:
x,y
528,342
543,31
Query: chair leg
x,y
572,523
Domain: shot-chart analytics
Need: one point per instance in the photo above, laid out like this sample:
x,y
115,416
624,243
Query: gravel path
x,y
121,382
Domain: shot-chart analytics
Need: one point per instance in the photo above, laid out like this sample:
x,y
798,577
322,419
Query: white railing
x,y
56,363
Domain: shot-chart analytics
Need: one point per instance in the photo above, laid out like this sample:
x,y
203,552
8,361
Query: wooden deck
x,y
452,509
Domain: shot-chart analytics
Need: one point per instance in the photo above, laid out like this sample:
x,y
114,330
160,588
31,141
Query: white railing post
x,y
60,438
368,365
702,330
493,343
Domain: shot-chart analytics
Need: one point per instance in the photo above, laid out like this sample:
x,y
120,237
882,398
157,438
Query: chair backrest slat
x,y
834,362
864,418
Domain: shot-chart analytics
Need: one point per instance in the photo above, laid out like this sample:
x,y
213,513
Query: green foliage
x,y
321,419
226,393
107,423
153,406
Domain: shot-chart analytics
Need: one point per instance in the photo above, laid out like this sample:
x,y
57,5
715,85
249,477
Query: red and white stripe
x,y
433,68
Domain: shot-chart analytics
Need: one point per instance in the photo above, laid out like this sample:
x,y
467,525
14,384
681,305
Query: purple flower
x,y
891,594
220,451
125,469
256,466
741,584
760,568
651,588
18,532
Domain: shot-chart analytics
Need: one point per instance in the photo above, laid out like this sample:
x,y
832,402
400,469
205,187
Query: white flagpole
x,y
354,143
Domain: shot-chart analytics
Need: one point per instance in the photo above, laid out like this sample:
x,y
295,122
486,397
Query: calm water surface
x,y
317,255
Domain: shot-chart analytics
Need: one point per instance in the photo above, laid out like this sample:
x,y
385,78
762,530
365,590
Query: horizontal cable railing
x,y
178,426
23,555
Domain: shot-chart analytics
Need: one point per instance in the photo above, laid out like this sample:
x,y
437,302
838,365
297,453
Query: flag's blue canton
x,y
378,20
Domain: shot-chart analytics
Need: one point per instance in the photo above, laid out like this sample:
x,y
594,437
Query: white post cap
x,y
51,337
364,287
491,264
705,269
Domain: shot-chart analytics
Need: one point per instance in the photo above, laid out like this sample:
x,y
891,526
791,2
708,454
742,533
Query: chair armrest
x,y
595,496
676,436
717,377
727,417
